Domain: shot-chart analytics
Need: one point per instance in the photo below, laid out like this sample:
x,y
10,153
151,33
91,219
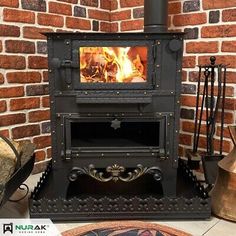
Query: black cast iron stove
x,y
115,124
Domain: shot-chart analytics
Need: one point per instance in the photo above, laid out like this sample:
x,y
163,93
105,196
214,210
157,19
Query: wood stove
x,y
114,122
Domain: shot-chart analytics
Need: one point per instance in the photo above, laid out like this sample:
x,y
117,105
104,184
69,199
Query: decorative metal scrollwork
x,y
115,173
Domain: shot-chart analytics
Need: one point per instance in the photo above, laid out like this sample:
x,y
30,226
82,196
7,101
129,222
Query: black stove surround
x,y
115,124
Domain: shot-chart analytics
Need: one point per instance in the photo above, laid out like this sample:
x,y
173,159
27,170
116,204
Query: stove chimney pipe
x,y
155,15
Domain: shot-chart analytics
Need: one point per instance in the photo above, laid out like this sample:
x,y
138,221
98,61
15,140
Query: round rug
x,y
124,228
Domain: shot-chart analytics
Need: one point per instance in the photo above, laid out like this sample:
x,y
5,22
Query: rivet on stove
x,y
50,71
176,131
86,93
157,85
160,114
61,124
158,42
102,154
177,102
157,66
140,114
168,124
62,143
153,154
172,92
89,114
122,114
108,114
127,154
67,43
145,93
52,102
69,114
179,71
118,93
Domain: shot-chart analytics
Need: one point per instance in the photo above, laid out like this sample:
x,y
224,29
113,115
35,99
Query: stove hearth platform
x,y
140,199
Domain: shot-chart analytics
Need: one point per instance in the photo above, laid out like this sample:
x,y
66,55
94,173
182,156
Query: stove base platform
x,y
85,202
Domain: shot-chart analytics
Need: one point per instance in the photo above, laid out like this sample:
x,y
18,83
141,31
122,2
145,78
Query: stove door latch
x,y
65,64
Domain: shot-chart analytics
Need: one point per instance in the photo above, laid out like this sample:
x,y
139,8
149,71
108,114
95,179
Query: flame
x,y
110,64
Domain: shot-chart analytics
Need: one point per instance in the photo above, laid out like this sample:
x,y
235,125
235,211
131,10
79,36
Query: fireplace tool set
x,y
210,108
115,102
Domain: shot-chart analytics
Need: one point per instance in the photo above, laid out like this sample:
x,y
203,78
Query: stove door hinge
x,y
154,51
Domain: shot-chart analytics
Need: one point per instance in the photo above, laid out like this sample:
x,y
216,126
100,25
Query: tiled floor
x,y
212,227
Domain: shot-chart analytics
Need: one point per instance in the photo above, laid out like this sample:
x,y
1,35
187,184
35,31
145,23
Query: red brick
x,y
91,3
24,103
17,46
185,139
230,104
189,101
12,92
231,77
174,8
226,133
9,3
12,119
106,26
229,60
41,115
131,25
99,15
18,16
69,1
104,4
37,62
35,32
25,131
229,15
202,47
228,46
227,145
60,8
228,117
5,133
121,15
12,62
0,46
23,77
42,141
45,76
184,75
216,4
114,4
9,30
190,19
46,101
40,156
3,106
218,31
50,20
189,61
133,3
75,23
1,78
49,153
190,127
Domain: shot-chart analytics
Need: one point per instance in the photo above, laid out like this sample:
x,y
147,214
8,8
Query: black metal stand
x,y
191,202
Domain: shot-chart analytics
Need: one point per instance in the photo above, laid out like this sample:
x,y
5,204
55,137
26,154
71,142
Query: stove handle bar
x,y
114,100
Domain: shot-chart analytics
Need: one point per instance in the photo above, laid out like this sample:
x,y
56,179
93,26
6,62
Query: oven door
x,y
113,64
102,136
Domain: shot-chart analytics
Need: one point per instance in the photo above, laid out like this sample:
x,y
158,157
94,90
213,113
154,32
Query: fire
x,y
112,64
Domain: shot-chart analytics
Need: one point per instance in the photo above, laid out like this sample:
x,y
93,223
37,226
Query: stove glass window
x,y
113,64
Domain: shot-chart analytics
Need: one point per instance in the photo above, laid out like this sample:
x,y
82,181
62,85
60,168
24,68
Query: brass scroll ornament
x,y
115,173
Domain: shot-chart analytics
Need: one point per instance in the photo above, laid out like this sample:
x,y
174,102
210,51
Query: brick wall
x,y
24,100
210,27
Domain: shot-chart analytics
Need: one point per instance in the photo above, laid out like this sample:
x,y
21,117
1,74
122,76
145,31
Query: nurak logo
x,y
9,228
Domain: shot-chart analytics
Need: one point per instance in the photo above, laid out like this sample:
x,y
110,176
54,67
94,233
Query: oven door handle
x,y
113,100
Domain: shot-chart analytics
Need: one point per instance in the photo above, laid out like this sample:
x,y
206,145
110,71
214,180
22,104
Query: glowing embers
x,y
113,64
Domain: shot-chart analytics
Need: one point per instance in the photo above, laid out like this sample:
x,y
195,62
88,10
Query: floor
x,y
211,227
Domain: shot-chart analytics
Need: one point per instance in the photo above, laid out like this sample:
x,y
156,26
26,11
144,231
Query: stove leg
x,y
169,183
